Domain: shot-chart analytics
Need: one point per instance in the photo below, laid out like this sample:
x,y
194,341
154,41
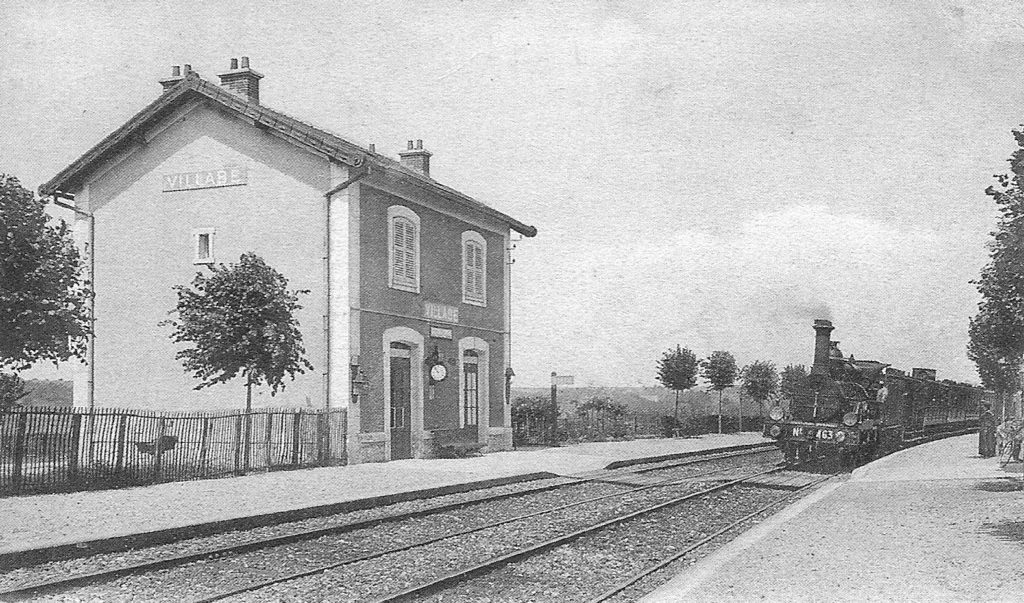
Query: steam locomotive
x,y
856,410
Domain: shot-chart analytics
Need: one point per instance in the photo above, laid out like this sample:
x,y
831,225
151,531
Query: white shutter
x,y
472,270
410,253
478,268
397,250
403,252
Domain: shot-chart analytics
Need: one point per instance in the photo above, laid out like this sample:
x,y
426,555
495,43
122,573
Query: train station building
x,y
407,317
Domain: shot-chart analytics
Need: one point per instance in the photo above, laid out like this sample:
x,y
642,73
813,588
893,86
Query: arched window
x,y
403,249
474,268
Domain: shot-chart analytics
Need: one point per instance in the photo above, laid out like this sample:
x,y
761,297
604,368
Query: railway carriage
x,y
856,410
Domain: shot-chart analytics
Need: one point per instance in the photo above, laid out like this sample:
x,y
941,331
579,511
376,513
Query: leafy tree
x,y
534,408
720,371
792,375
760,380
997,331
12,388
987,348
44,302
240,320
677,371
602,406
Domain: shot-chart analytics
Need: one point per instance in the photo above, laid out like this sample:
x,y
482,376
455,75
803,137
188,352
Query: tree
x,y
534,407
44,301
720,371
240,320
602,407
677,371
988,348
791,377
602,410
538,411
760,380
12,389
997,331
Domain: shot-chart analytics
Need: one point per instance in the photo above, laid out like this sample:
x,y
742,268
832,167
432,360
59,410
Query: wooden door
x,y
400,423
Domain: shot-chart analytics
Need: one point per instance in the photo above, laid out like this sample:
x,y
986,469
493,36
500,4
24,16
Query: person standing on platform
x,y
987,432
1016,434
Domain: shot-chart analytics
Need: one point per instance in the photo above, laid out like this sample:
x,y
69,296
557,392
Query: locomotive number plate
x,y
826,434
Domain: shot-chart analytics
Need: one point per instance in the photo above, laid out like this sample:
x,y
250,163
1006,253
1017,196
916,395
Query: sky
x,y
713,175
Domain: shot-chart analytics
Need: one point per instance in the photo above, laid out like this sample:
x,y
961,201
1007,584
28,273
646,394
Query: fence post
x,y
76,435
19,451
122,428
270,435
297,426
325,438
247,452
322,452
238,445
204,446
159,452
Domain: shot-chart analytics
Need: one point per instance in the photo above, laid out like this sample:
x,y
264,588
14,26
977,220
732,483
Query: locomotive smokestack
x,y
822,333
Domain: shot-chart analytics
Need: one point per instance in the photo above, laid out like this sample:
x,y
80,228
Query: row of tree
x,y
236,320
996,332
679,369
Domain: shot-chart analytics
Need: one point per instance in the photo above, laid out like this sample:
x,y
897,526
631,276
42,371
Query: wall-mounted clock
x,y
438,372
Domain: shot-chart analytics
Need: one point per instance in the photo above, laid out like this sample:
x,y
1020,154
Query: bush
x,y
670,426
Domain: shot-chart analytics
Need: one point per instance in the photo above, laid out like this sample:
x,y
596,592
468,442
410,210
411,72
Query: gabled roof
x,y
315,139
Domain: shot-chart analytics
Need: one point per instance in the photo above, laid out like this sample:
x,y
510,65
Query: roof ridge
x,y
319,139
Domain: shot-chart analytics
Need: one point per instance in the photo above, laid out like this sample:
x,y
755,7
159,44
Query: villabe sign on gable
x,y
228,176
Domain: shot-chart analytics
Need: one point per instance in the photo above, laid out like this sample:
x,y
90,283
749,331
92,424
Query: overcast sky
x,y
709,174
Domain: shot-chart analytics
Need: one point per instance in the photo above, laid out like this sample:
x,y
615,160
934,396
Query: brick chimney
x,y
416,158
242,80
176,76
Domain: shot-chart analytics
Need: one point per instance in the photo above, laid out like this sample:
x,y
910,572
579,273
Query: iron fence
x,y
54,450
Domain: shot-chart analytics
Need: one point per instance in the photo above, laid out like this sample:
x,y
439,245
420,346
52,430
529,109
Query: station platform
x,y
931,523
52,526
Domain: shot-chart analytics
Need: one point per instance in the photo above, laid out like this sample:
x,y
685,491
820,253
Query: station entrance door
x,y
401,386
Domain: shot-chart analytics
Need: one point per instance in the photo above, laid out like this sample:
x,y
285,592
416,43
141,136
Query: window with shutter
x,y
403,249
474,285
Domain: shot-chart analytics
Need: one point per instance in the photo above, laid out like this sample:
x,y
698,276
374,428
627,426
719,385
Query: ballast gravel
x,y
375,578
94,563
207,577
591,565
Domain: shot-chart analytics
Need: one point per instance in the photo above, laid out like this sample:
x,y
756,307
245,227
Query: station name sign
x,y
440,312
186,181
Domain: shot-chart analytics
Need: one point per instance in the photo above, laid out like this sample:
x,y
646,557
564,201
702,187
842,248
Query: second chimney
x,y
416,158
822,344
174,79
242,80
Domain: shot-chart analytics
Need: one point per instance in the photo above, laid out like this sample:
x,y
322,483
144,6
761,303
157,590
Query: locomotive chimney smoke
x,y
822,345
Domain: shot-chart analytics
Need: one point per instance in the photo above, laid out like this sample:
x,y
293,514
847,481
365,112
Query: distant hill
x,y
654,400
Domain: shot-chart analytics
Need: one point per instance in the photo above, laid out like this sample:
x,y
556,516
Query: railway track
x,y
609,479
634,581
433,587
